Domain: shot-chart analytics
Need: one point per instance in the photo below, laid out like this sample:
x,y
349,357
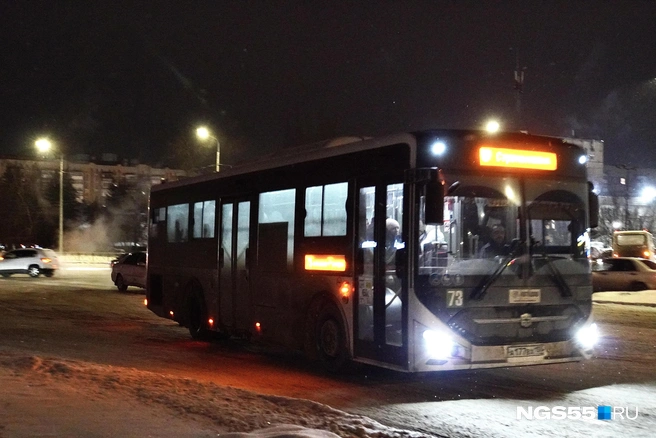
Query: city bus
x,y
634,243
368,250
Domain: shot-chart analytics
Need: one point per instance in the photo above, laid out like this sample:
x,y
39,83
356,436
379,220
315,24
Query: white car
x,y
623,274
129,270
30,261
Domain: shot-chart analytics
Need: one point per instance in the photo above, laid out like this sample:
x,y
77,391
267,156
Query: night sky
x,y
136,78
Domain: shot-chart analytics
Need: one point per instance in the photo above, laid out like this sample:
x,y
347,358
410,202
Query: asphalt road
x,y
79,315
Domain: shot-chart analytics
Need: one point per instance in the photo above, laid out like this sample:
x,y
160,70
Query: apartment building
x,y
93,179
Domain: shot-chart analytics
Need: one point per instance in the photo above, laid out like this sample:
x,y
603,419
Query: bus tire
x,y
197,316
330,338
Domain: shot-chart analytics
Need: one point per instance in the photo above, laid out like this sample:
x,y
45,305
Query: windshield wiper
x,y
557,277
484,285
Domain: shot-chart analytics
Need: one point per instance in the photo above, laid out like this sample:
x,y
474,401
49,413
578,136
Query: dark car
x,y
30,261
623,274
129,270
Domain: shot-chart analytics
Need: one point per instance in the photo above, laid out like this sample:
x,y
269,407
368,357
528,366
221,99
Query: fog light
x,y
588,336
438,345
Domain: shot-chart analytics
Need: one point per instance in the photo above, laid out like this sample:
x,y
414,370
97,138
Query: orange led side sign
x,y
315,262
522,159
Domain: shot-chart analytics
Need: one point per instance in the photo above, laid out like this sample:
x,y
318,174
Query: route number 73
x,y
454,298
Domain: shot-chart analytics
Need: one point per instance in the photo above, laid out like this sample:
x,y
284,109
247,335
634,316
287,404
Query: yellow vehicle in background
x,y
636,243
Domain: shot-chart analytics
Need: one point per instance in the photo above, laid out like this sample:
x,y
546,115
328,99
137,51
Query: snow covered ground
x,y
46,397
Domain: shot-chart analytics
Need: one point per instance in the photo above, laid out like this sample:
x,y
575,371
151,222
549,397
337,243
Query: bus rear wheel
x,y
197,315
330,339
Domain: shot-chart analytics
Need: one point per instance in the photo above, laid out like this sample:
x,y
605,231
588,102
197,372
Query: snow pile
x,y
228,412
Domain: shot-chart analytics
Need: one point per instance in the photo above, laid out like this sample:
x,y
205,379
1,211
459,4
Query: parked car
x,y
118,259
30,261
598,250
129,270
623,274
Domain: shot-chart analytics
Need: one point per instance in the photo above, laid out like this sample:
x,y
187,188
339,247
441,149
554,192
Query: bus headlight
x,y
588,336
438,345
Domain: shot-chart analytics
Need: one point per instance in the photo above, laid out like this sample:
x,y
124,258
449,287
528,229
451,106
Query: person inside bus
x,y
391,241
497,244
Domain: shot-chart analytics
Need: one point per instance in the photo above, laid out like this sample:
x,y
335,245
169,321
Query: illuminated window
x,y
325,208
204,219
276,227
177,223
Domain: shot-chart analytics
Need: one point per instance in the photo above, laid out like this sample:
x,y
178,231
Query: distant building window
x,y
204,219
325,208
177,223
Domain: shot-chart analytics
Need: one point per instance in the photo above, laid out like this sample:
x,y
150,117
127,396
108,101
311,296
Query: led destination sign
x,y
517,158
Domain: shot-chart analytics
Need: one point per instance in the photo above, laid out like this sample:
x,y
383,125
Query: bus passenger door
x,y
380,324
234,287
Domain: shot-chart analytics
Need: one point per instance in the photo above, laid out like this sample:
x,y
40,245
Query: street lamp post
x,y
627,193
44,145
203,133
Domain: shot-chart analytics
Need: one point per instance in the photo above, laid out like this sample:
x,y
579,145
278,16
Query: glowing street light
x,y
203,134
492,126
648,194
44,146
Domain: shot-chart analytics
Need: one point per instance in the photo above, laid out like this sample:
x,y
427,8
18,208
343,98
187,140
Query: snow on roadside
x,y
230,412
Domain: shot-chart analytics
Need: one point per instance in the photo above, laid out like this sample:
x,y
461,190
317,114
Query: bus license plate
x,y
522,351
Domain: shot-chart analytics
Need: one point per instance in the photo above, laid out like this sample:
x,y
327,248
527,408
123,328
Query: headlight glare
x,y
588,336
438,345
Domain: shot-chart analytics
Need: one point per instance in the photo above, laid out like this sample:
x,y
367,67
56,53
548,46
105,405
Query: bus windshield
x,y
491,221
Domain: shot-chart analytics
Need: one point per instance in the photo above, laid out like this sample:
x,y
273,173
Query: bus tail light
x,y
171,313
145,301
210,322
258,328
345,290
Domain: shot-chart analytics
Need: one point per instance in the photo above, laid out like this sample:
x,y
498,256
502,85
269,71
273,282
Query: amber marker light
x,y
517,158
145,301
345,290
314,262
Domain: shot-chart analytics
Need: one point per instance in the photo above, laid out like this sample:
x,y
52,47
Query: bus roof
x,y
345,145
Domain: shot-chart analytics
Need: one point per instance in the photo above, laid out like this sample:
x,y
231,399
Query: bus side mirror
x,y
435,202
593,203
